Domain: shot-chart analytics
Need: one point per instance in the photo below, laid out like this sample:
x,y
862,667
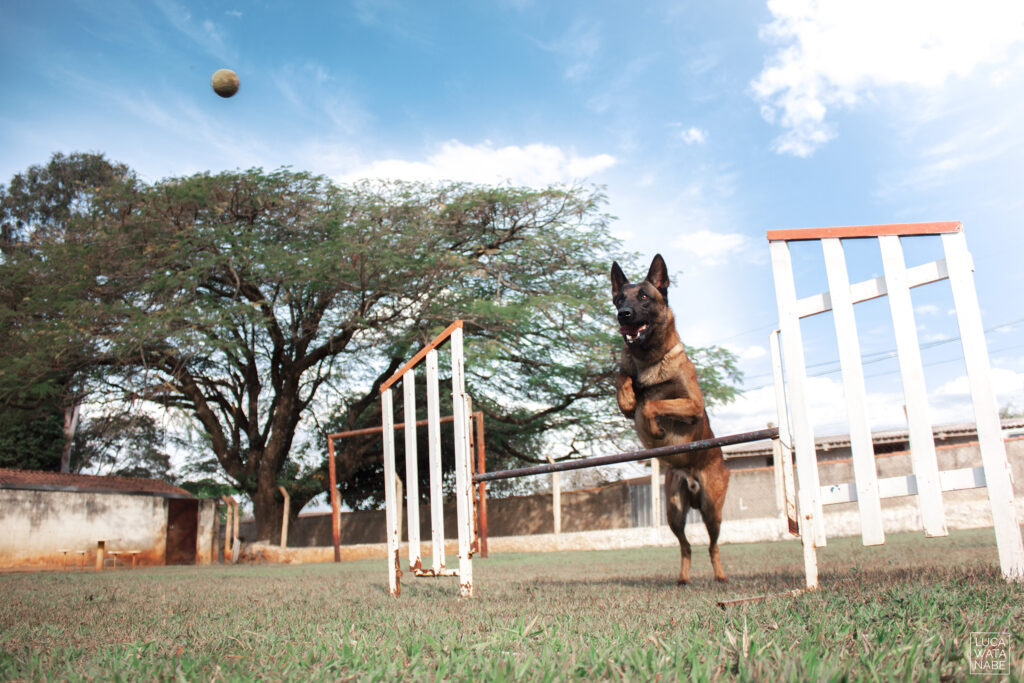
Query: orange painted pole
x,y
335,512
481,467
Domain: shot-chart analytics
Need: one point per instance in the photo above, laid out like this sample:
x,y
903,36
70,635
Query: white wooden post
x,y
812,532
998,478
556,499
412,484
861,446
782,447
919,424
463,467
390,494
434,452
655,493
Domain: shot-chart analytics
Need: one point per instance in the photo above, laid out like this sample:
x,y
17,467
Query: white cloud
x,y
314,92
753,353
835,54
205,33
694,136
1007,385
711,248
535,165
579,48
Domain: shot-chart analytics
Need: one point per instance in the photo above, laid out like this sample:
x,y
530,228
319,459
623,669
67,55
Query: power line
x,y
892,354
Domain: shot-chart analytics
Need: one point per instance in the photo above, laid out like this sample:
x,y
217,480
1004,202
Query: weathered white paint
x,y
434,455
463,467
412,473
391,503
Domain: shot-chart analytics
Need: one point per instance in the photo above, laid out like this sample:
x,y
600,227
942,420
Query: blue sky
x,y
707,122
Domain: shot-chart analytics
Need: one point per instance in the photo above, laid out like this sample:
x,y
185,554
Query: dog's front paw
x,y
651,419
626,396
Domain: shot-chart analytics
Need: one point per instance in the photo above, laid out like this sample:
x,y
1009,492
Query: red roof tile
x,y
59,481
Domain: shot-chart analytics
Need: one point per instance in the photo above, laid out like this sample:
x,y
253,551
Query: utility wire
x,y
880,356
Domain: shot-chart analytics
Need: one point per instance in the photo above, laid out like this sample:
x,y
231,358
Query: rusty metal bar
x,y
284,516
853,231
434,343
481,467
335,511
630,456
378,430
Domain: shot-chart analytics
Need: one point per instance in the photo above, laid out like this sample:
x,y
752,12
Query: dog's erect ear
x,y
618,279
658,275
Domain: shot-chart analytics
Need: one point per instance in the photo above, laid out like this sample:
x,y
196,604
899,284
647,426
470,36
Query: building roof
x,y
87,483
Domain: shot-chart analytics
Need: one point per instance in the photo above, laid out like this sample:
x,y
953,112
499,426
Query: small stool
x,y
114,554
64,565
134,554
81,558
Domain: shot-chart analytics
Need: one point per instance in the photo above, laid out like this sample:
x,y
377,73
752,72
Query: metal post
x,y
284,516
335,508
556,499
481,467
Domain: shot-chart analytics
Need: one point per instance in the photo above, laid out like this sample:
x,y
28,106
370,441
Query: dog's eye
x,y
641,296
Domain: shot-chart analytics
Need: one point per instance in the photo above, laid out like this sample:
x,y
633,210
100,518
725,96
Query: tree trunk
x,y
268,508
70,426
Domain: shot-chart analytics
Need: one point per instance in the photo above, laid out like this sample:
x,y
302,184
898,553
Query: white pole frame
x,y
927,482
463,467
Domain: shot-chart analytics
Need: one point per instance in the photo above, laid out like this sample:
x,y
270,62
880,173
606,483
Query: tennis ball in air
x,y
224,82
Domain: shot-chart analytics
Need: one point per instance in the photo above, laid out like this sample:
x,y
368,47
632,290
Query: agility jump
x,y
804,502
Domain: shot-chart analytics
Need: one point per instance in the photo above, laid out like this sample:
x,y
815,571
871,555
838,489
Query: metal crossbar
x,y
630,456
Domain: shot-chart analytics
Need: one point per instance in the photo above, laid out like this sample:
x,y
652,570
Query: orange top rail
x,y
865,231
420,355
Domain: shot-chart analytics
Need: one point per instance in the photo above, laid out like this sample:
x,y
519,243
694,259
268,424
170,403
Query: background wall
x,y
751,512
37,524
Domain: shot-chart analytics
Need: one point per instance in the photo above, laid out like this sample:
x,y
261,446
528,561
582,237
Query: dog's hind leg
x,y
678,504
711,510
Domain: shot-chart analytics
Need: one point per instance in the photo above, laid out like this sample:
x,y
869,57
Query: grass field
x,y
904,611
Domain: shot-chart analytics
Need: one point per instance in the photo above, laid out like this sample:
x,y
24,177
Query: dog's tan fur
x,y
657,388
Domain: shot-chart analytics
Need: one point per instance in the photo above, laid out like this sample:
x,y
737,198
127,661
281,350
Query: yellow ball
x,y
224,82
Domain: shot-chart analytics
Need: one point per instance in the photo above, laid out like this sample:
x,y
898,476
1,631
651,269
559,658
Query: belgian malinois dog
x,y
657,388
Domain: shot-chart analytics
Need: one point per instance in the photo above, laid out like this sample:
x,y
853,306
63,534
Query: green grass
x,y
904,611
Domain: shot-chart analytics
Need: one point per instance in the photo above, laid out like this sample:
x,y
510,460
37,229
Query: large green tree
x,y
49,299
270,307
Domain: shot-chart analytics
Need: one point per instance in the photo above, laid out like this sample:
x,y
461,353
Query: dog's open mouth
x,y
632,333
